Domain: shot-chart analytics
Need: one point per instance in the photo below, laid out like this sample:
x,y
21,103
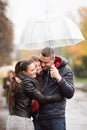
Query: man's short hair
x,y
47,52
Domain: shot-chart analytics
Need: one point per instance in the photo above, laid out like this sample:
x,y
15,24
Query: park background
x,y
14,16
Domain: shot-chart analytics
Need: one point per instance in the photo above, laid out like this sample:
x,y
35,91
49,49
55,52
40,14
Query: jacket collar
x,y
60,61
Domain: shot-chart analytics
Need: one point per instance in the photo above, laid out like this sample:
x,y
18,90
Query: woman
x,y
6,84
21,95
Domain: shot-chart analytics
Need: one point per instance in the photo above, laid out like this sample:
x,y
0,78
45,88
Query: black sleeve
x,y
4,83
66,86
31,90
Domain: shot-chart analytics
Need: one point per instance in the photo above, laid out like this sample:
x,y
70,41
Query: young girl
x,y
37,63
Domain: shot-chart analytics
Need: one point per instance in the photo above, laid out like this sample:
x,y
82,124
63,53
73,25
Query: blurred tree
x,y
77,52
6,35
80,67
83,24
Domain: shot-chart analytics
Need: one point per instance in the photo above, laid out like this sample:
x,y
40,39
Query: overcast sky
x,y
20,11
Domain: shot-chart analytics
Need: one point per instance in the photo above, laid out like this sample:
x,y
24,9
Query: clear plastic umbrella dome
x,y
50,31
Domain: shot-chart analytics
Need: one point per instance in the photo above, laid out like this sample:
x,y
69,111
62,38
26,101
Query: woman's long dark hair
x,y
20,66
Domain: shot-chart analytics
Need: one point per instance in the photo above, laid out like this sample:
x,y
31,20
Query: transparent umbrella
x,y
50,31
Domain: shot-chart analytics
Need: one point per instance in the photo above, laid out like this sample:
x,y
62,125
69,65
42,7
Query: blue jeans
x,y
50,124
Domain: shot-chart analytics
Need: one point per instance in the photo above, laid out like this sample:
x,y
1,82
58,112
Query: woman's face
x,y
31,70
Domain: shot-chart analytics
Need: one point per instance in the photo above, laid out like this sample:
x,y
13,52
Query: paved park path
x,y
76,112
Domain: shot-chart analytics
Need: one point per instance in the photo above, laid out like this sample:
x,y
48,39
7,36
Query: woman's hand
x,y
18,80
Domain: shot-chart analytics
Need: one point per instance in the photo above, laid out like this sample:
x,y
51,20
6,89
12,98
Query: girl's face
x,y
31,70
38,66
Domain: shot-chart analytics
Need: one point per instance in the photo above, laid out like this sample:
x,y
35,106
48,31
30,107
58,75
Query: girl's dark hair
x,y
20,66
17,68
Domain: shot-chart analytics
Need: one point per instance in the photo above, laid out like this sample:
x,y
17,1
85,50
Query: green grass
x,y
82,80
0,80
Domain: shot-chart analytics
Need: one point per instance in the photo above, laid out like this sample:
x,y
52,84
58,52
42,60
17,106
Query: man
x,y
57,78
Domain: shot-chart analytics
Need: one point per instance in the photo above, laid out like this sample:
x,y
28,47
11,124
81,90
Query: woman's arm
x,y
31,90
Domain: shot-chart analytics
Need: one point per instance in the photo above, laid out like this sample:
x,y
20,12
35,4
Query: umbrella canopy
x,y
50,31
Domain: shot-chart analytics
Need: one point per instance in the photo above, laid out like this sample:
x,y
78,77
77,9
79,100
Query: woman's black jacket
x,y
25,92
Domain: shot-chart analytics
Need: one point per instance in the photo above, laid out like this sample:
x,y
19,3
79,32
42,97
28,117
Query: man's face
x,y
46,62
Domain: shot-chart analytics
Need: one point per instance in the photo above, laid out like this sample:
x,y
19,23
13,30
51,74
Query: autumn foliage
x,y
77,54
6,36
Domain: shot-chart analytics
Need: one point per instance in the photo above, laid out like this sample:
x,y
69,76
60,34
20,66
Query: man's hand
x,y
55,73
